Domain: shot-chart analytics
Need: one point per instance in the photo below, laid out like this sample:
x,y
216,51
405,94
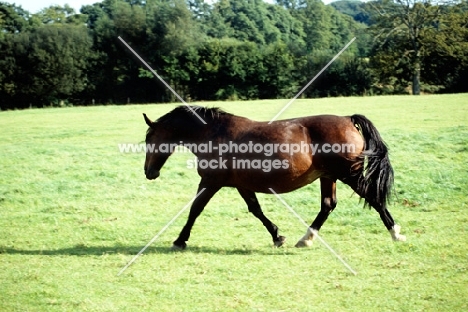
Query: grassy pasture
x,y
74,211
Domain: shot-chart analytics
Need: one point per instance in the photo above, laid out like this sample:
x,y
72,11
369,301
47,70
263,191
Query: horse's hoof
x,y
396,236
280,241
178,247
304,243
399,238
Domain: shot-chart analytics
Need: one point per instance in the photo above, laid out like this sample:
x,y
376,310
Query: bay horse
x,y
282,156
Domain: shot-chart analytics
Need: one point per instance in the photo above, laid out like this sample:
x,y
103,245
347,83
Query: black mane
x,y
183,111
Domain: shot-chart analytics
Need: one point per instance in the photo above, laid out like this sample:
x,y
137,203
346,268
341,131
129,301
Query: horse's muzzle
x,y
151,174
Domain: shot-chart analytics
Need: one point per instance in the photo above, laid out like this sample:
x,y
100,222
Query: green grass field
x,y
74,211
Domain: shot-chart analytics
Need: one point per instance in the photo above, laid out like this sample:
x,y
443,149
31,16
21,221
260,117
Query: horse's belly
x,y
279,182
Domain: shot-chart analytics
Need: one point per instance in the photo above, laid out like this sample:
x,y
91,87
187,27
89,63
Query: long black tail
x,y
375,184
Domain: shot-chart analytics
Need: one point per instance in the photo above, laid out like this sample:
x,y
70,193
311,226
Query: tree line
x,y
229,50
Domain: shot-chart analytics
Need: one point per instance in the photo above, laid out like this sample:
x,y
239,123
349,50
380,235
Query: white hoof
x,y
307,240
400,238
396,236
304,243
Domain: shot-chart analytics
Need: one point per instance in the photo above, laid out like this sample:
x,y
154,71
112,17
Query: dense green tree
x,y
222,69
403,29
317,22
291,29
13,19
116,74
446,64
55,14
41,71
278,79
229,49
171,27
357,9
254,21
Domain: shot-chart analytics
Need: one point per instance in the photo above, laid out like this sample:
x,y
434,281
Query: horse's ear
x,y
148,121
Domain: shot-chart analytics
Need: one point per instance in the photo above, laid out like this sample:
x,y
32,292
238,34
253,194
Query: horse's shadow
x,y
133,250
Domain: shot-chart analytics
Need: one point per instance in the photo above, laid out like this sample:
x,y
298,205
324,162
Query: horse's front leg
x,y
328,203
197,207
254,207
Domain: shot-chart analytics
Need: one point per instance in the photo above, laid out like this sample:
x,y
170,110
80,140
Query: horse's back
x,y
326,146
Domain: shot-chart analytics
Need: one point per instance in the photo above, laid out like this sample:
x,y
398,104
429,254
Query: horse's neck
x,y
218,129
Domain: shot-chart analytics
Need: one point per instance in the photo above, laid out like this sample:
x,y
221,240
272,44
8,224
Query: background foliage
x,y
231,49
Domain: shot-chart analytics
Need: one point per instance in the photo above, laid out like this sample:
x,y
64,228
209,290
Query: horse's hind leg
x,y
393,228
254,207
328,203
381,208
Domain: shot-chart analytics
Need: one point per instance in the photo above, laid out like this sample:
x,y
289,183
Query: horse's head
x,y
182,124
158,148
